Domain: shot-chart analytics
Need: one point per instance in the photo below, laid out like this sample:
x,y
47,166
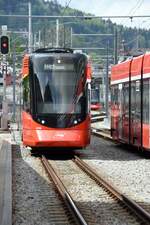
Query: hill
x,y
128,39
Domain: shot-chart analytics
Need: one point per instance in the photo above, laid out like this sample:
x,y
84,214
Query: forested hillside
x,y
130,38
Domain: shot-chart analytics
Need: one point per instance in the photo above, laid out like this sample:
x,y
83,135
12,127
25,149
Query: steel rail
x,y
63,192
98,118
97,114
135,207
100,133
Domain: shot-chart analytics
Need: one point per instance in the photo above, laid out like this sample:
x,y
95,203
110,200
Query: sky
x,y
115,7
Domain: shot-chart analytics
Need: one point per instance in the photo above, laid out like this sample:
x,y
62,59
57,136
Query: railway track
x,y
97,119
127,209
87,208
102,133
123,199
74,212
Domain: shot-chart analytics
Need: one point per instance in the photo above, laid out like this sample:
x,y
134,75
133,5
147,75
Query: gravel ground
x,y
34,197
91,198
129,171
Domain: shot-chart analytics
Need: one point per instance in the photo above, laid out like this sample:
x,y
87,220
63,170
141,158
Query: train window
x,y
125,102
114,94
26,94
132,98
60,89
57,95
138,100
137,85
146,101
95,95
120,86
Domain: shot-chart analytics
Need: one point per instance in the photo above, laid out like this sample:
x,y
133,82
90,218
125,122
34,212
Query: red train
x,y
56,95
130,104
95,104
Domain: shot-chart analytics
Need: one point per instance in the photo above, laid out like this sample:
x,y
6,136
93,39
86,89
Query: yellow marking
x,y
25,75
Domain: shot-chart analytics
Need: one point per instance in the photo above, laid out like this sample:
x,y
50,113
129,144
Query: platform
x,y
6,179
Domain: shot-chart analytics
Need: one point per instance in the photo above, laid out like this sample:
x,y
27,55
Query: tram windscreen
x,y
59,84
94,96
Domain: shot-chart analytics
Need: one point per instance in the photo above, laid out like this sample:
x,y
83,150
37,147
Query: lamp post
x,y
107,82
30,29
57,33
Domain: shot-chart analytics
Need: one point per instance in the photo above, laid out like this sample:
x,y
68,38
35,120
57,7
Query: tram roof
x,y
54,50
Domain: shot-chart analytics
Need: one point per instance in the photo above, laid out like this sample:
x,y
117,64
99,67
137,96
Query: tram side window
x,y
114,95
138,99
133,98
126,99
146,101
26,94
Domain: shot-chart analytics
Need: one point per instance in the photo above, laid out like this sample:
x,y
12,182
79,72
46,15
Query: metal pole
x,y
30,29
44,37
20,102
14,83
4,118
106,83
93,34
57,33
123,48
53,38
64,36
137,40
4,77
115,47
71,38
39,41
74,17
34,41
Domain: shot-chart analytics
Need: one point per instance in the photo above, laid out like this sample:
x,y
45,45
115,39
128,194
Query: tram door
x,y
146,114
120,111
136,113
125,112
115,111
114,115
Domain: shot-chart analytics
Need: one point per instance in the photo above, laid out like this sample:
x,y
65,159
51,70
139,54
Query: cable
x,y
137,6
67,5
134,8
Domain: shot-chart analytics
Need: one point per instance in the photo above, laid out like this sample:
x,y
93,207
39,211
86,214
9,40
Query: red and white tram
x,y
56,99
130,104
